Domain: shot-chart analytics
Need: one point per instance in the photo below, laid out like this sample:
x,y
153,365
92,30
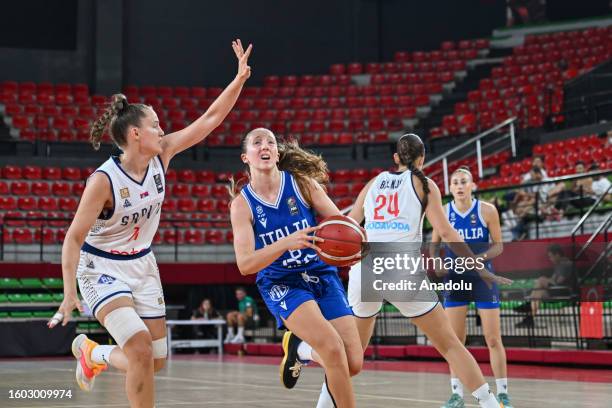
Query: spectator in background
x,y
246,315
205,311
536,164
600,184
523,204
579,193
562,276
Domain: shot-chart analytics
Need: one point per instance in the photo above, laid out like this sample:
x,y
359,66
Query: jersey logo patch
x,y
158,183
91,265
261,217
145,194
278,292
292,204
283,305
473,219
106,280
124,192
127,203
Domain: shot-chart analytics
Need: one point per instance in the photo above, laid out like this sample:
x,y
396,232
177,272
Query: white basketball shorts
x,y
370,309
102,280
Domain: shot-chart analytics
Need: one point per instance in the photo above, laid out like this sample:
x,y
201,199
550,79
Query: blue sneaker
x,y
455,401
504,399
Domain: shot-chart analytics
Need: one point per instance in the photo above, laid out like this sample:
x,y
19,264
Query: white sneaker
x,y
239,339
228,338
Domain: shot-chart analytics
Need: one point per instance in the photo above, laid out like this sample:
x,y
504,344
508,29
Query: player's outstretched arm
x,y
176,142
251,261
96,194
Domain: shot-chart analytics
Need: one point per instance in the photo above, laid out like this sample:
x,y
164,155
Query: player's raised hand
x,y
64,312
244,70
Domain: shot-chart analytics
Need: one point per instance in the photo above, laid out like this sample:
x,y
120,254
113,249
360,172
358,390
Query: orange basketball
x,y
343,238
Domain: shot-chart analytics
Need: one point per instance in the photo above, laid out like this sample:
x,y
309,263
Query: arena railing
x,y
477,141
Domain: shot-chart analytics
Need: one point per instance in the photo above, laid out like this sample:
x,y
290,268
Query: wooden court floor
x,y
209,382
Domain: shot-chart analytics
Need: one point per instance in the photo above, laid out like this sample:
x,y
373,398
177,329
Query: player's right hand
x,y
302,239
70,302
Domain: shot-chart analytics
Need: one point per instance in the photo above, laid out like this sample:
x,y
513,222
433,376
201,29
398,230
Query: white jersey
x,y
129,227
392,209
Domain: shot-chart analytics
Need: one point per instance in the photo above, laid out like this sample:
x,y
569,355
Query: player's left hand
x,y
244,70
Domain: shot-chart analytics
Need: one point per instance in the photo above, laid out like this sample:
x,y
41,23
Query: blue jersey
x,y
274,221
470,225
473,229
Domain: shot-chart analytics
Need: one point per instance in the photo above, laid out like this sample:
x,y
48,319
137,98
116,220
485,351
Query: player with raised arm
x,y
107,247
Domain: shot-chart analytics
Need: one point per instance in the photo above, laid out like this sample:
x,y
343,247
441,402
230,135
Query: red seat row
x,y
29,172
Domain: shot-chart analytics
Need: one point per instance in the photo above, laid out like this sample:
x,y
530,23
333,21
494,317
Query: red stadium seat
x,y
60,188
67,204
206,205
22,236
180,190
200,190
186,176
52,173
78,188
11,172
172,236
214,236
47,237
20,188
169,205
7,203
186,205
47,204
71,173
341,176
27,203
40,188
194,237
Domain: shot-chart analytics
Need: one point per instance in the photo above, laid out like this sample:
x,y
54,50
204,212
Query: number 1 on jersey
x,y
386,200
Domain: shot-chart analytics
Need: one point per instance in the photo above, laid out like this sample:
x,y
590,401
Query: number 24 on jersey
x,y
389,201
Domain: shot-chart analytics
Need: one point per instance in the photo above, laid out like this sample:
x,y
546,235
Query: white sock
x,y
502,385
485,397
101,354
241,331
230,332
325,400
304,351
456,387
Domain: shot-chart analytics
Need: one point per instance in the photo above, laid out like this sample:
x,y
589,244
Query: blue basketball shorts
x,y
283,296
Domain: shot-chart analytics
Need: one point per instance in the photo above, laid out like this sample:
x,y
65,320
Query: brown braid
x,y
409,148
119,116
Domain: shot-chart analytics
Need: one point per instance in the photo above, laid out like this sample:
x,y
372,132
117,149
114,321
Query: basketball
x,y
343,239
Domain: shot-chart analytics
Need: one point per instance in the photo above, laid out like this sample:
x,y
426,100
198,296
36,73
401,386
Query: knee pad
x,y
123,323
160,348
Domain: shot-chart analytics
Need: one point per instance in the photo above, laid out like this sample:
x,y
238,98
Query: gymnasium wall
x,y
187,42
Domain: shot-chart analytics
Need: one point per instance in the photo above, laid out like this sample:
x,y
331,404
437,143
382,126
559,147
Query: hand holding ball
x,y
343,238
